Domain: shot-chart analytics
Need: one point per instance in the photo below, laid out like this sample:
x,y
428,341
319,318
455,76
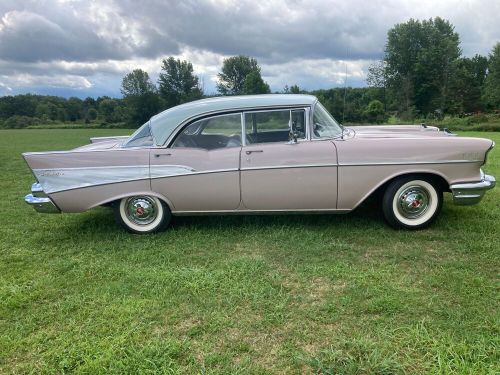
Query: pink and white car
x,y
260,154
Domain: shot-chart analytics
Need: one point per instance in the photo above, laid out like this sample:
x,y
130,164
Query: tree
x,y
140,97
234,73
492,83
294,89
137,83
254,84
419,61
177,82
374,112
107,109
466,83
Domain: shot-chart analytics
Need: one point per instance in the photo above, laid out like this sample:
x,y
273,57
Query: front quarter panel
x,y
366,164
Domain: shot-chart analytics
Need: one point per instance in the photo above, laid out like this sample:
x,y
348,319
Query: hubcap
x,y
413,202
141,210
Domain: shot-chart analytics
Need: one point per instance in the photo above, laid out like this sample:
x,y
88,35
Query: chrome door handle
x,y
158,155
250,151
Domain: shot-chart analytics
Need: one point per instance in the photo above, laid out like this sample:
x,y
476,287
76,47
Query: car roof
x,y
165,122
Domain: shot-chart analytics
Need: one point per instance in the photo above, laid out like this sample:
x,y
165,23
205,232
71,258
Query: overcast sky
x,y
84,48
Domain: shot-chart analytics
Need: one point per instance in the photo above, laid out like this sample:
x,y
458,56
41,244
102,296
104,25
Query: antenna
x,y
345,87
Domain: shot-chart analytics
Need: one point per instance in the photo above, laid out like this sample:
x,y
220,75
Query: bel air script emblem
x,y
51,174
471,156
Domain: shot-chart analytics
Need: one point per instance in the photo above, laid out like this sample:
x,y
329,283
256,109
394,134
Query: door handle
x,y
158,155
251,151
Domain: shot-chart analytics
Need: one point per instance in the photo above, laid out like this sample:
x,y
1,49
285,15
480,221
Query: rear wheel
x,y
412,202
142,214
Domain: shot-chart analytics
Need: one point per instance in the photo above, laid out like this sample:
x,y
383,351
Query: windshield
x,y
324,125
141,137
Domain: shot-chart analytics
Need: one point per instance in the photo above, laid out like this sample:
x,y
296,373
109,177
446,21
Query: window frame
x,y
208,118
307,115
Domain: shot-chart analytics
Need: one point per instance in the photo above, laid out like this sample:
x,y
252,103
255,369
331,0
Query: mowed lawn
x,y
259,294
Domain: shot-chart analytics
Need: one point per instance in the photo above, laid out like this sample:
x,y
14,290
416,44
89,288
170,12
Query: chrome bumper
x,y
40,201
472,192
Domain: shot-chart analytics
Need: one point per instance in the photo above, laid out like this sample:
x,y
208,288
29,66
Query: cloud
x,y
85,47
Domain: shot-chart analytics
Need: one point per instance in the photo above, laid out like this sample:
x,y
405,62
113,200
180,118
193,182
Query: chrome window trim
x,y
171,143
201,115
342,127
243,134
306,110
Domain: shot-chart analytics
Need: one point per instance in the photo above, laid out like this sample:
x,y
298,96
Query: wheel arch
x,y
117,198
433,176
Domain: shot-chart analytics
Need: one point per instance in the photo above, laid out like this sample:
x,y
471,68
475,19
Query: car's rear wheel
x,y
142,214
412,202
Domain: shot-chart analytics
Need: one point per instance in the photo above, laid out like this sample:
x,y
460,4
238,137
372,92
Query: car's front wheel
x,y
412,202
142,214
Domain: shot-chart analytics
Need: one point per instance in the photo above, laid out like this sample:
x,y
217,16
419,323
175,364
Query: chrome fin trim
x,y
55,180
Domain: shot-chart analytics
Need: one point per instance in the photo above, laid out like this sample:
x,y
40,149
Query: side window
x,y
274,126
211,133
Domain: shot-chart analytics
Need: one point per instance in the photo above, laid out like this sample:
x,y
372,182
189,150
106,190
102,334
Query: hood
x,y
397,131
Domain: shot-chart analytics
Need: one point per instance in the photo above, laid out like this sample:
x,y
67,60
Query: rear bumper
x,y
472,192
40,201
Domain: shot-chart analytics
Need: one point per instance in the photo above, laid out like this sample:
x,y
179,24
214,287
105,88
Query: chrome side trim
x,y
194,173
103,139
470,193
289,166
159,171
42,205
261,212
409,163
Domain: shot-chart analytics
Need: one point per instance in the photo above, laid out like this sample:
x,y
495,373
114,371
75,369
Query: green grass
x,y
273,294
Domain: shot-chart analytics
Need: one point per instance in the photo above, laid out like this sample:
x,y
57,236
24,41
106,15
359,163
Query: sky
x,y
84,48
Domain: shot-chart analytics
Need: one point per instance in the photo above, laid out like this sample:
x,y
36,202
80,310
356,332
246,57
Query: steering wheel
x,y
317,126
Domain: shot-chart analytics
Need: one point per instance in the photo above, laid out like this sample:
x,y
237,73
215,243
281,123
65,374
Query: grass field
x,y
273,294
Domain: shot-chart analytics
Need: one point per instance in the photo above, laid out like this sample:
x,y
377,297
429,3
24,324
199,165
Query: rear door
x,y
200,171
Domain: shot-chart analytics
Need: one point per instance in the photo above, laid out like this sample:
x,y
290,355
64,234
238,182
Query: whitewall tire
x,y
412,202
142,214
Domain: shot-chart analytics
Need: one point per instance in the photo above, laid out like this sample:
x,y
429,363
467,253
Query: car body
x,y
260,154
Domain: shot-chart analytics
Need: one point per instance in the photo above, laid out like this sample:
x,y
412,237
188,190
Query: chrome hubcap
x,y
141,210
413,202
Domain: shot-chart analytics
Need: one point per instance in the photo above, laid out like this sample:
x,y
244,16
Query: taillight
x,y
487,151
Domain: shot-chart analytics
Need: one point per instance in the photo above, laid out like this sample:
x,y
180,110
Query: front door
x,y
277,174
200,171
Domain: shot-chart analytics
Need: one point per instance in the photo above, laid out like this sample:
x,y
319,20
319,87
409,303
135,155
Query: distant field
x,y
273,294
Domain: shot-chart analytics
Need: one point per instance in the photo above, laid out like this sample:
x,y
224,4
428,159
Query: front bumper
x,y
40,201
472,192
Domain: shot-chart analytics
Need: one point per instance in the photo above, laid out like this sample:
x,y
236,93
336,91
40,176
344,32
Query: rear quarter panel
x,y
79,180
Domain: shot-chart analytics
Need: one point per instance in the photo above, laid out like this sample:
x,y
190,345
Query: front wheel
x,y
411,203
142,214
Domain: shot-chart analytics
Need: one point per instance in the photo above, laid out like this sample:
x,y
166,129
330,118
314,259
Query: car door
x,y
278,174
200,171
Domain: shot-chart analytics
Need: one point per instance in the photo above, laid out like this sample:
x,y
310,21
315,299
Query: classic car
x,y
260,154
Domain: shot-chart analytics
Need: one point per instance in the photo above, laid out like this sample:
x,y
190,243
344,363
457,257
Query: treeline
x,y
422,75
27,110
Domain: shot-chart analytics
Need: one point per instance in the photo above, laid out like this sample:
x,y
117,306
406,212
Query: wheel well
x,y
112,203
438,180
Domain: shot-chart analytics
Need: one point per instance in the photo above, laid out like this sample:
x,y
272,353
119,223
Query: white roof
x,y
164,123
